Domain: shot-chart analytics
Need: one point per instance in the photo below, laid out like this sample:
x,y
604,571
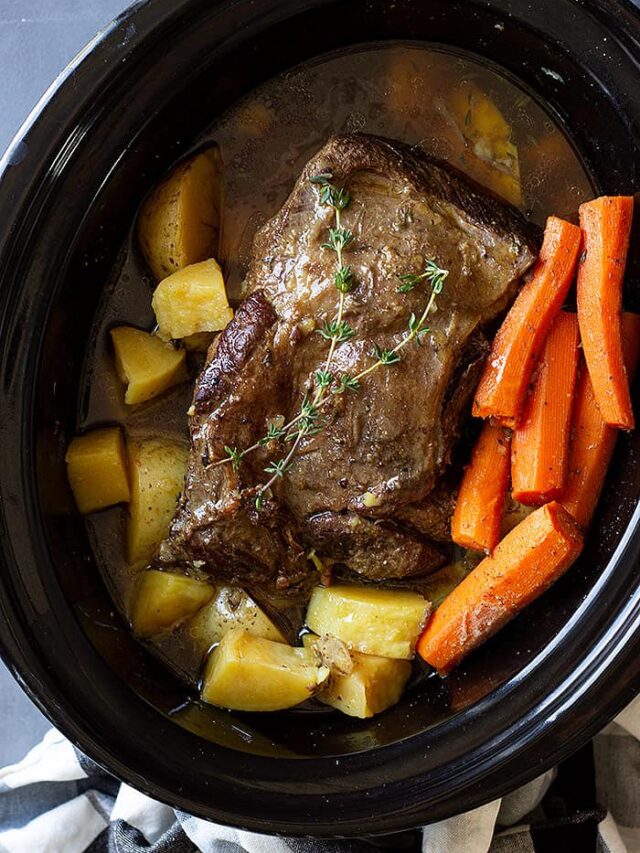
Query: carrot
x,y
606,225
522,567
503,385
477,518
540,446
593,440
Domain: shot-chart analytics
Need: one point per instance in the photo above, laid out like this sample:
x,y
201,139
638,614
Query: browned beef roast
x,y
362,490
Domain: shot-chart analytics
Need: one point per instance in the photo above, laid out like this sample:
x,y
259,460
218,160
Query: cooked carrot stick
x,y
606,225
477,518
522,567
540,446
503,385
592,440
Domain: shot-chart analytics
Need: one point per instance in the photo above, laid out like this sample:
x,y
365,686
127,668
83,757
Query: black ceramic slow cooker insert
x,y
70,185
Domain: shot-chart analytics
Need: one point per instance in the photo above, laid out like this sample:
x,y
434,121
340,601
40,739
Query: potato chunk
x,y
492,158
179,222
97,469
368,685
231,608
192,300
247,673
157,467
162,599
372,621
145,364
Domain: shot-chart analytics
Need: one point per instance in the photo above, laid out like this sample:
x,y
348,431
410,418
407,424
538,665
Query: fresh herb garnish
x,y
346,383
432,272
307,422
343,280
234,456
324,378
338,331
386,356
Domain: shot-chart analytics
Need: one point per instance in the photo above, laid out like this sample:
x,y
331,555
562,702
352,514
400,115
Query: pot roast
x,y
370,489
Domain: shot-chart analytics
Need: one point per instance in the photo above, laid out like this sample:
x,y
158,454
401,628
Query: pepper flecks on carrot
x,y
540,446
503,385
606,225
527,561
592,440
480,503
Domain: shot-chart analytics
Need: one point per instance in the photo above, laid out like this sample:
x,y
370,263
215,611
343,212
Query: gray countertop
x,y
37,40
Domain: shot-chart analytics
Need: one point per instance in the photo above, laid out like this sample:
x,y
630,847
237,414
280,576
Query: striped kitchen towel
x,y
58,801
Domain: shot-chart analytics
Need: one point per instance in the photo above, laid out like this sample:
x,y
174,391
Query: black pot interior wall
x,y
137,121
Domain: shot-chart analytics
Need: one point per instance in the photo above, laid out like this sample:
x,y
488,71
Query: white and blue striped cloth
x,y
58,801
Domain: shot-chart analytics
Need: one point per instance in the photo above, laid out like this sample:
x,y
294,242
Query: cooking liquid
x,y
429,98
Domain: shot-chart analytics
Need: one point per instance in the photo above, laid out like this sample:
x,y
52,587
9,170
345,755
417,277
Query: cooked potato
x,y
231,608
488,135
145,364
179,222
191,301
372,621
247,673
157,467
162,599
368,685
97,469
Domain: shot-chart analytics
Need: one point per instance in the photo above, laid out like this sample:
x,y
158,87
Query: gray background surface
x,y
37,40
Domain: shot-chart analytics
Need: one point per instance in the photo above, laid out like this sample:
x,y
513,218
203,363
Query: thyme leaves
x,y
326,383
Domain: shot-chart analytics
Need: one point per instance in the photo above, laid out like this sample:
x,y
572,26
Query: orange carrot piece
x,y
477,518
593,440
606,225
516,348
540,446
522,567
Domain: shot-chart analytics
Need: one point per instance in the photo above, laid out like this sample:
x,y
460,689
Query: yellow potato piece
x,y
192,300
479,117
179,223
492,158
371,621
97,469
247,673
372,685
156,467
162,599
231,608
145,364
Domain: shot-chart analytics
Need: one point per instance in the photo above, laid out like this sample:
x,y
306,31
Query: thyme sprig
x,y
340,331
336,331
417,328
431,271
346,383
